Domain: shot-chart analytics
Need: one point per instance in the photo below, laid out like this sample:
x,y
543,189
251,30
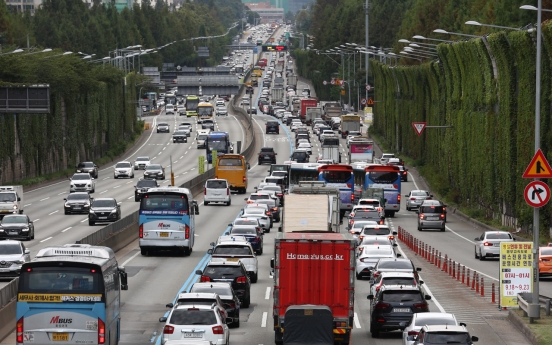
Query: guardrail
x,y
524,299
8,292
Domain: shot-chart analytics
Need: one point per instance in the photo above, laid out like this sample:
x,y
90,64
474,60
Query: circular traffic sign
x,y
368,87
363,101
537,194
333,81
325,82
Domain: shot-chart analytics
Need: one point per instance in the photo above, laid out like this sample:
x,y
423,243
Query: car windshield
x,y
254,211
498,236
395,264
202,137
218,184
218,290
544,251
236,162
420,194
146,183
232,250
367,214
401,296
242,231
154,167
223,271
431,209
142,159
447,338
86,165
179,133
78,196
7,197
123,165
162,124
193,316
376,231
259,196
429,321
10,249
104,203
81,177
14,219
241,221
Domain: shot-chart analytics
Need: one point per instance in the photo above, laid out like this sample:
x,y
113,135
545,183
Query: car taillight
x,y
399,197
101,332
227,191
168,329
241,279
381,305
187,232
204,279
376,274
340,324
204,191
274,209
404,172
391,238
412,198
381,222
352,198
488,244
413,333
422,216
249,201
361,238
19,330
218,330
421,306
244,179
442,216
141,231
268,213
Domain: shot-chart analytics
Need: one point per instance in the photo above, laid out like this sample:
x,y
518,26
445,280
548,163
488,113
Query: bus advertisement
x,y
387,177
220,142
302,172
166,220
70,294
205,111
191,105
342,177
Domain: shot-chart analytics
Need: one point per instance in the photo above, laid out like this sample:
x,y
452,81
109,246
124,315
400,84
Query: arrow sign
x,y
419,127
537,194
539,167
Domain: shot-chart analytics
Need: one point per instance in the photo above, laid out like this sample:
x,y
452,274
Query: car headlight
x,y
25,229
15,207
21,262
113,211
67,205
92,211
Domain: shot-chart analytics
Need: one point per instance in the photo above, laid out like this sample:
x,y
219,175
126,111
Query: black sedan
x,y
155,171
78,202
104,210
180,137
208,124
15,226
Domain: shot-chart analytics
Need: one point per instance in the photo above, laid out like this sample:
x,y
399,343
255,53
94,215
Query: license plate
x,y
60,336
192,335
4,269
102,217
5,211
432,218
77,207
497,244
401,310
13,232
267,156
163,234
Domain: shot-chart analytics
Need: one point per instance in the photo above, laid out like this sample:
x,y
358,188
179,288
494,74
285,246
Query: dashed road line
x,y
52,213
66,229
46,239
44,199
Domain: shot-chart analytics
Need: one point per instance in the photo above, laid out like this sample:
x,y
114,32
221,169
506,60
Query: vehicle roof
x,y
444,328
399,275
224,261
399,287
101,199
213,284
197,295
232,239
5,242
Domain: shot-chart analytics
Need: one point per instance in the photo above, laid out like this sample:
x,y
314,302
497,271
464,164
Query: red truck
x,y
262,62
315,269
306,103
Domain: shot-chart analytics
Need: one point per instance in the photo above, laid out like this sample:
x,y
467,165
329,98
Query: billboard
x,y
516,271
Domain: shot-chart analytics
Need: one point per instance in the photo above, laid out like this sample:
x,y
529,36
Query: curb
x,y
522,327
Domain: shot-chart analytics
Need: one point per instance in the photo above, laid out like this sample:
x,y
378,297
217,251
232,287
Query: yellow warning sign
x,y
370,101
539,167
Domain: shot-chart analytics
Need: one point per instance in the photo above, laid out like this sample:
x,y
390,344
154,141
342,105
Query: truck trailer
x,y
314,269
306,103
361,150
313,113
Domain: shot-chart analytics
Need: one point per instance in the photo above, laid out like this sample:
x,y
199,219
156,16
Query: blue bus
x,y
302,172
219,141
388,178
166,220
70,294
342,177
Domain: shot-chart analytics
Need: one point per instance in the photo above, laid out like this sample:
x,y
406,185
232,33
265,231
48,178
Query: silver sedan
x,y
415,198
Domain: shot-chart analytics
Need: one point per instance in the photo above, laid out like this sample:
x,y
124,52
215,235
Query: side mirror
x,y
395,233
370,297
210,252
162,319
371,281
212,244
463,324
90,178
427,297
476,239
399,255
248,166
169,305
418,269
411,338
65,199
514,238
255,188
272,263
245,199
196,208
124,278
27,251
474,338
18,198
229,320
421,282
229,224
199,272
395,245
406,195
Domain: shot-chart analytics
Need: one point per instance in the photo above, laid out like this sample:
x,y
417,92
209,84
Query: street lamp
x,y
13,52
420,37
410,49
412,42
473,22
533,8
441,31
416,45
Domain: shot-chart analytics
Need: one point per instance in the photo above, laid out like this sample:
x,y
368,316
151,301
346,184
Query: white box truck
x,y
11,200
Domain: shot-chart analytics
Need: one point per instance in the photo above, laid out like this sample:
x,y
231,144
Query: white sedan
x,y
306,146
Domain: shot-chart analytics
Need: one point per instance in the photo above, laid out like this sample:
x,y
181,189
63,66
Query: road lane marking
x,y
129,182
44,199
27,205
130,197
263,322
105,178
84,220
267,294
132,257
117,186
66,229
61,193
52,213
357,322
36,220
103,192
46,239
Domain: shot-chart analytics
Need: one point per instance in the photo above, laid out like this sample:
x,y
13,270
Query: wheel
x,y
475,254
143,251
419,228
247,302
115,177
229,203
205,203
66,212
254,277
407,208
236,322
374,331
93,190
28,238
358,277
32,236
443,229
481,256
91,223
136,199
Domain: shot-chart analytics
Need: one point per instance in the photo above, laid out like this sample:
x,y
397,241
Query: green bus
x,y
191,105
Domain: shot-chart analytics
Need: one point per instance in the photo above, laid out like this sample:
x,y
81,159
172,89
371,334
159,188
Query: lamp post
x,y
402,40
441,31
13,52
417,51
473,22
533,8
420,37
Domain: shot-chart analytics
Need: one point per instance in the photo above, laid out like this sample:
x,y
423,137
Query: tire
x,y
136,199
358,277
407,208
28,238
93,190
475,254
443,229
91,223
236,324
115,177
65,211
229,203
254,277
143,251
419,228
32,236
205,203
481,257
375,332
247,302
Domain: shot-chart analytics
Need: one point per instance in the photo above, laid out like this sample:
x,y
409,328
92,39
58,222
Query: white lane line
x,y
27,205
163,149
182,156
36,220
185,172
130,197
267,293
263,322
357,322
52,213
44,199
61,193
66,229
105,178
84,220
103,192
129,182
128,260
46,239
117,186
186,152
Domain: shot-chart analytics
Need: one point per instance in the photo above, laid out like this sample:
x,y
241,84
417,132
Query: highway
x,y
155,280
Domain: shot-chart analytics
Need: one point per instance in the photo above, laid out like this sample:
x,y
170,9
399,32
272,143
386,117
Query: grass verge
x,y
542,328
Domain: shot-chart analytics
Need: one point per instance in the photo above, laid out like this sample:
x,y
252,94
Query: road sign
x,y
342,92
363,101
537,194
419,127
516,271
333,81
325,82
539,167
368,87
341,82
370,101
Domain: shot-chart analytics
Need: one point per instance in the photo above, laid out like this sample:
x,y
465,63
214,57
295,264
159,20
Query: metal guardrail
x,y
111,229
524,299
8,292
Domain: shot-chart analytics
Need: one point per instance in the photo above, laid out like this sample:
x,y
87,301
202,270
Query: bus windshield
x,y
57,279
164,202
336,176
205,111
219,145
383,176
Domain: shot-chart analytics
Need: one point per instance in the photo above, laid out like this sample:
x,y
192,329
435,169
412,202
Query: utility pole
x,y
366,12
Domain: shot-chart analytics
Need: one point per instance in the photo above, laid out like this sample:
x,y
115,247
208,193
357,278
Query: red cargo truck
x,y
262,62
317,269
306,103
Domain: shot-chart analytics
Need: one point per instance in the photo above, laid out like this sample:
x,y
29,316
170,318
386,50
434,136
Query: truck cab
x,y
11,200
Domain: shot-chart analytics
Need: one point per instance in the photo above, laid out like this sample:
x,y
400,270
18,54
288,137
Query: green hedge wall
x,y
485,89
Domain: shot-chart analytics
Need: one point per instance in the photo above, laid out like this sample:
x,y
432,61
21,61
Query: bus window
x,y
160,202
62,279
383,176
230,162
336,176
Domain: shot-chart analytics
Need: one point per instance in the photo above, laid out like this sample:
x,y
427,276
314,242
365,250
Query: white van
x,y
169,109
216,190
201,137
